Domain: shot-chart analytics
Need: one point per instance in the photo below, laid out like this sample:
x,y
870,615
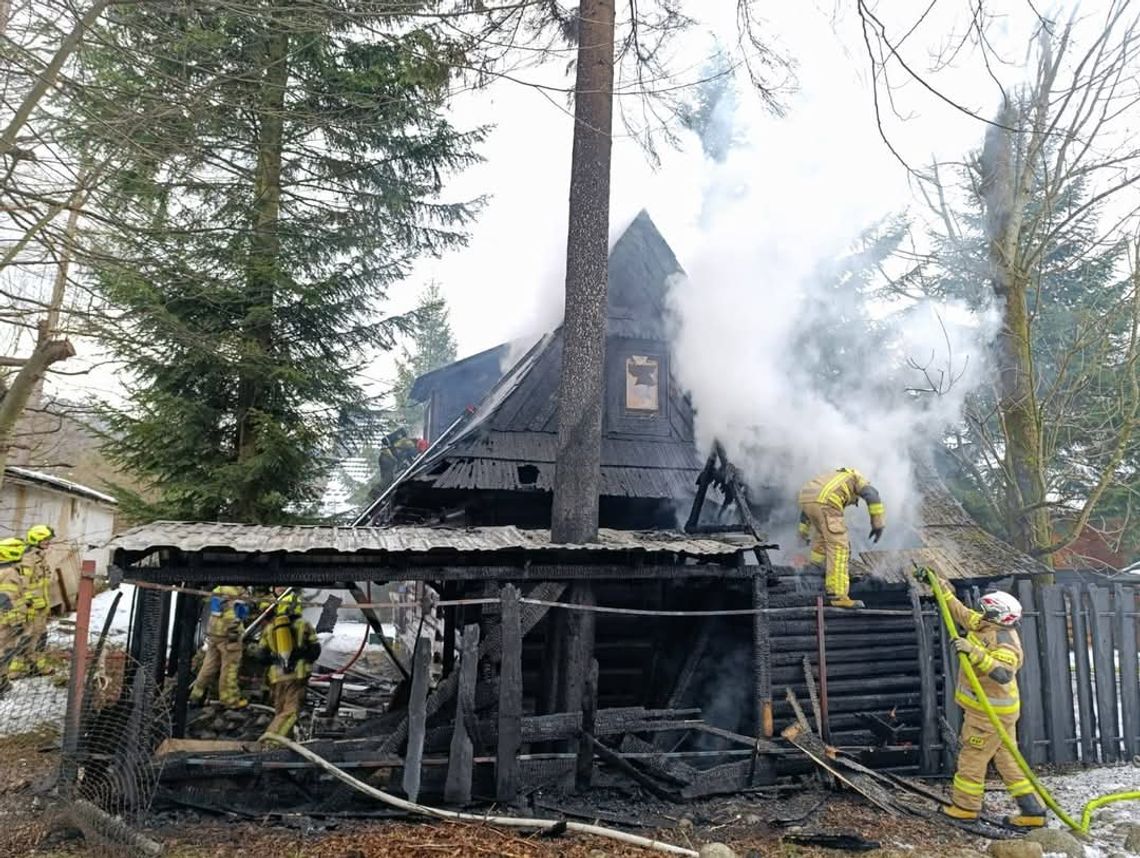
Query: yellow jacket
x,y
224,621
37,582
843,488
996,658
13,611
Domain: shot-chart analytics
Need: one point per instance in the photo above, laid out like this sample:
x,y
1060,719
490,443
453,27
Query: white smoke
x,y
751,335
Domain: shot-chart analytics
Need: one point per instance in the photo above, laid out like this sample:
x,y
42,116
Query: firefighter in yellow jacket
x,y
36,578
991,643
223,649
822,502
290,647
13,612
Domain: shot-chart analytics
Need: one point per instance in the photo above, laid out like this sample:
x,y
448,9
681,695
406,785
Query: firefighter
x,y
36,578
992,645
290,648
13,612
223,649
822,502
397,452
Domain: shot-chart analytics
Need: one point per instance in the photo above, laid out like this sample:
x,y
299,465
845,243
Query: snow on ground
x,y
1111,823
32,704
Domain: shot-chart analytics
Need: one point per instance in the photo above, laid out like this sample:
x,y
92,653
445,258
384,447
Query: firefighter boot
x,y
845,602
959,813
1032,814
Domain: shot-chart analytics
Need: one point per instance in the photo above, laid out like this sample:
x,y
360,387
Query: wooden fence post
x,y
510,699
1056,674
417,716
584,769
1031,725
928,737
1087,727
1104,673
461,758
1126,610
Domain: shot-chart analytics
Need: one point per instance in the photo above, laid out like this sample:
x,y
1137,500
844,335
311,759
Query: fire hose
x,y
1081,827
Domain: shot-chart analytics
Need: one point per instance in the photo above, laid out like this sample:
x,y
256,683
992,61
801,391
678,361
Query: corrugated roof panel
x,y
299,539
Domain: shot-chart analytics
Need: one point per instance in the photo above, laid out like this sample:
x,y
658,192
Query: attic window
x,y
642,388
528,475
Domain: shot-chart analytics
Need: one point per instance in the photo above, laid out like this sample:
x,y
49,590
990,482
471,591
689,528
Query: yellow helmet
x,y
39,533
11,550
289,605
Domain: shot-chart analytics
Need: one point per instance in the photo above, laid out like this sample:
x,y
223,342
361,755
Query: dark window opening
x,y
528,475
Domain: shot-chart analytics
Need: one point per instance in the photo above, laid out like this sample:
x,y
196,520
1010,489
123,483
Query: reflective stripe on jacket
x,y
843,488
998,658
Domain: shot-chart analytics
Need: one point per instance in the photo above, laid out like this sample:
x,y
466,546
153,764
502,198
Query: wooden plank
x,y
457,789
417,716
1031,724
928,736
618,762
951,722
813,694
1056,674
489,649
813,747
1104,673
801,719
1125,599
584,771
450,617
725,779
510,698
761,651
1087,726
666,764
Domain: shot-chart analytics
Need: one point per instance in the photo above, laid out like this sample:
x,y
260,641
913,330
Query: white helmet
x,y
1001,608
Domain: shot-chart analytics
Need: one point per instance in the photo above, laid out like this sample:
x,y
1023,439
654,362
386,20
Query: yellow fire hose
x,y
968,669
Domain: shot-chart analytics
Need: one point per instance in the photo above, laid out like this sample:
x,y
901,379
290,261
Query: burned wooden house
x,y
671,657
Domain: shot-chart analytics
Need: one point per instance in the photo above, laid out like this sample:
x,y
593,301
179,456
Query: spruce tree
x,y
286,167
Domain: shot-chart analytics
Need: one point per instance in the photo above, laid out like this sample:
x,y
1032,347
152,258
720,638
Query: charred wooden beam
x,y
490,649
929,691
417,716
458,787
621,764
704,480
662,764
724,779
510,698
585,768
814,748
373,620
762,650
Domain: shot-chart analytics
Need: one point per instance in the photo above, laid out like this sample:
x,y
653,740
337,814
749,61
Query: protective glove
x,y
922,574
972,651
876,534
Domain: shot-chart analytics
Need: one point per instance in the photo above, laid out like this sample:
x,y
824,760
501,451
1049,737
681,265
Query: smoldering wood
x,y
815,749
664,764
457,790
336,688
510,697
813,694
1125,620
329,613
1031,725
762,654
1057,684
584,771
1104,671
625,767
724,779
1078,619
579,651
797,710
417,716
704,480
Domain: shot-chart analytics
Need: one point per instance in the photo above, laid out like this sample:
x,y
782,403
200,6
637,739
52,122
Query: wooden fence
x,y
1080,683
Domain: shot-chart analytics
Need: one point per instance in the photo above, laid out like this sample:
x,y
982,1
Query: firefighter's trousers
x,y
31,659
288,695
14,646
223,658
981,744
830,546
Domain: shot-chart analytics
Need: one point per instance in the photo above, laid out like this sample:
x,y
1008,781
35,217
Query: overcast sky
x,y
824,163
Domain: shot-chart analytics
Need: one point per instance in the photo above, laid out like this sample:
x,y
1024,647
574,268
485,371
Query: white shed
x,y
83,520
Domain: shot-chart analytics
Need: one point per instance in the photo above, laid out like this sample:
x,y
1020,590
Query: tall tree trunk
x,y
1027,517
574,516
262,270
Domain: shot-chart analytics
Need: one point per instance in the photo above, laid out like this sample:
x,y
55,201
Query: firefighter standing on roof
x,y
223,649
992,645
290,647
822,502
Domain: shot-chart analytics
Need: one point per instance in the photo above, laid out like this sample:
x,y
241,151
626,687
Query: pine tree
x,y
432,346
287,169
